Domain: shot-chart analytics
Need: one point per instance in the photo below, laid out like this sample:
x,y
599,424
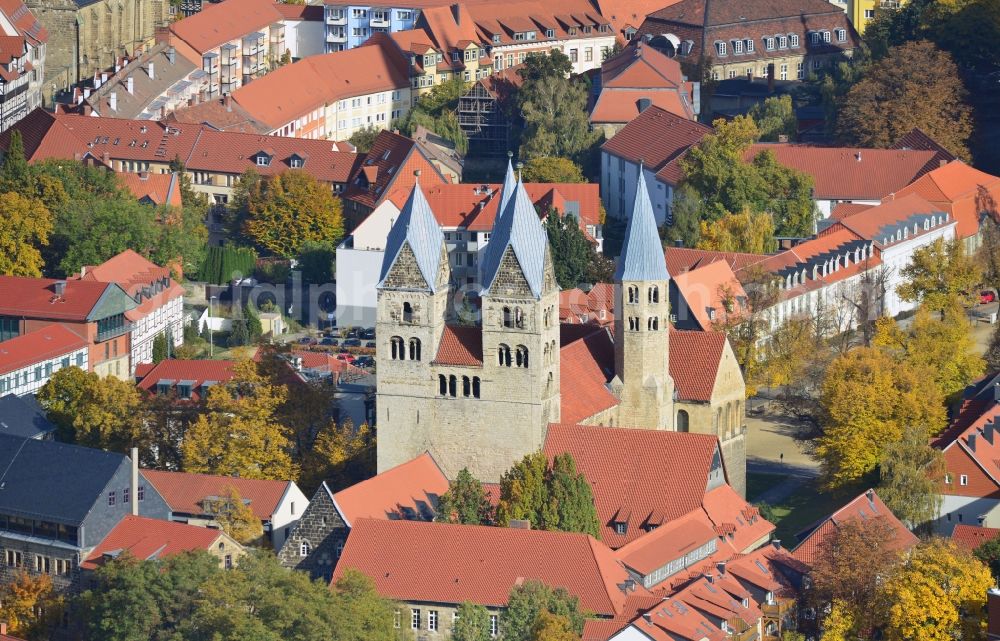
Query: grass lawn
x,y
758,483
802,508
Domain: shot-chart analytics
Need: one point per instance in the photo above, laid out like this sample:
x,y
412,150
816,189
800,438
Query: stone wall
x,y
322,527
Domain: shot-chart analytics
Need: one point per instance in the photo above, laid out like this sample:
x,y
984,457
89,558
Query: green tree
x,y
160,347
546,169
542,66
686,227
746,232
775,117
572,253
24,228
254,329
910,473
234,516
992,355
358,611
571,498
465,501
523,494
530,599
316,260
989,553
554,497
292,209
940,275
473,623
554,109
15,174
364,138
239,335
915,85
552,627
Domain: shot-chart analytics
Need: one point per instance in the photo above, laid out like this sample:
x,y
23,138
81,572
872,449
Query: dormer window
x,y
749,46
826,36
429,60
814,37
841,35
782,42
550,33
621,527
296,161
737,46
794,40
769,44
496,37
263,160
720,47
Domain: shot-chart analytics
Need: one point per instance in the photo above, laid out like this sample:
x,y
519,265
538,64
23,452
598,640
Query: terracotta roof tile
x,y
682,259
872,224
962,191
704,288
622,105
461,346
694,362
445,563
326,362
137,276
637,72
843,210
643,496
176,370
407,491
148,539
48,342
217,24
395,157
971,537
185,491
586,367
158,189
656,137
35,298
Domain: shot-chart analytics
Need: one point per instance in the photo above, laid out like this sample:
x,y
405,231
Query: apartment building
x,y
27,361
22,62
349,24
233,42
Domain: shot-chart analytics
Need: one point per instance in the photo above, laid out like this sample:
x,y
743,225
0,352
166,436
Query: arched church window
x,y
654,294
414,349
396,348
508,319
466,387
503,355
518,318
633,294
442,385
682,420
475,386
653,323
521,356
407,313
452,386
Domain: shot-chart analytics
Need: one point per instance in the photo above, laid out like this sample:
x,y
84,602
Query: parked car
x,y
307,340
370,344
987,296
368,334
347,358
364,361
352,342
353,332
329,341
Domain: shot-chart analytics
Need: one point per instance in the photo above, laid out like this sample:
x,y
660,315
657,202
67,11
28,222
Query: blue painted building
x,y
349,25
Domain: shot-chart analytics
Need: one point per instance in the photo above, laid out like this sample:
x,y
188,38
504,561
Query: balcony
x,y
380,20
336,36
114,332
336,17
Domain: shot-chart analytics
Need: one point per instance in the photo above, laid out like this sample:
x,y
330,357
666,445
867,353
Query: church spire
x,y
509,185
415,232
642,256
519,229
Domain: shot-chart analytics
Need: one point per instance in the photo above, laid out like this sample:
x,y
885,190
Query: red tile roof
x,y
462,346
657,138
36,298
593,307
217,24
622,105
682,259
158,189
138,277
310,12
706,288
184,492
843,173
694,363
741,521
586,365
394,158
843,210
413,561
43,344
866,506
175,370
640,71
407,491
327,362
871,224
962,191
971,537
917,139
643,496
147,539
668,542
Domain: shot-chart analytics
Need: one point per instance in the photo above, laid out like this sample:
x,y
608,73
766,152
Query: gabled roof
x,y
445,563
152,539
150,285
707,13
217,24
45,343
52,481
81,300
461,346
155,189
694,363
417,229
625,470
641,257
22,416
388,166
866,506
883,221
184,492
639,65
586,366
682,259
963,191
408,491
657,138
705,288
194,372
971,537
623,105
519,229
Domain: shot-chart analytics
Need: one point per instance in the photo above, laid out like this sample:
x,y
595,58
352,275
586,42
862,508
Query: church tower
x,y
520,320
413,297
642,322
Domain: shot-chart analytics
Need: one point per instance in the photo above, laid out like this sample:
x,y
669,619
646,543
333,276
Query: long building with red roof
x,y
28,361
22,62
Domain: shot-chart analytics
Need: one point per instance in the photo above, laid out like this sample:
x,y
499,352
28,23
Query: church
x,y
482,396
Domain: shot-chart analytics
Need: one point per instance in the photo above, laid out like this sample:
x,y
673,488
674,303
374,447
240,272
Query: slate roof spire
x,y
520,229
642,253
418,228
509,185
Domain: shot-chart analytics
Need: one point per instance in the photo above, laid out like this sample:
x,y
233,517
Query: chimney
x,y
59,287
988,432
520,524
648,618
86,92
857,156
135,482
721,567
151,71
163,112
870,495
113,100
104,77
679,242
130,85
972,442
227,102
710,577
83,271
171,54
776,543
942,162
642,104
456,12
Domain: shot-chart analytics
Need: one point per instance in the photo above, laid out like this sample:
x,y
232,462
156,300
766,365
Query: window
x,y
111,497
947,479
814,37
452,386
503,355
521,356
396,348
841,35
228,561
737,46
963,480
508,320
653,323
432,620
304,548
574,55
749,46
415,619
769,44
550,33
588,54
784,72
799,71
633,324
826,36
782,42
140,493
793,39
475,387
654,294
292,507
442,385
466,387
494,625
126,495
414,349
633,294
518,318
621,528
396,616
263,160
869,14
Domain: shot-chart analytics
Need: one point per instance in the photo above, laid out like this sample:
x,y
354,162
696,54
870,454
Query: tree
x,y
533,597
941,275
547,169
572,253
15,174
686,224
522,492
473,623
239,335
554,109
541,66
435,111
915,85
160,349
252,318
340,455
239,435
867,400
29,605
316,260
847,568
87,409
552,627
234,516
571,498
989,553
746,232
775,117
989,252
838,625
938,593
292,209
554,497
364,138
992,355
24,227
465,501
910,472
358,611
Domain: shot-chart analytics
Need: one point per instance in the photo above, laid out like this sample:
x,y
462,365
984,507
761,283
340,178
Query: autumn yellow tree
x,y
235,517
838,625
341,455
937,594
941,275
291,209
239,434
552,627
29,604
749,232
25,225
